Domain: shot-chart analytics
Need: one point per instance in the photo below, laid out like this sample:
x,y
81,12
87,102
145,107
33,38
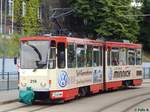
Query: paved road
x,y
128,100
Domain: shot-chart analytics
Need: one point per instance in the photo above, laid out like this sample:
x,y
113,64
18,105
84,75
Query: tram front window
x,y
34,54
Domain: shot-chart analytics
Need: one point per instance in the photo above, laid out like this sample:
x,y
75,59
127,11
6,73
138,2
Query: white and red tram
x,y
61,68
123,65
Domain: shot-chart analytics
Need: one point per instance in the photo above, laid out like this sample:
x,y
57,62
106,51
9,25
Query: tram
x,y
61,68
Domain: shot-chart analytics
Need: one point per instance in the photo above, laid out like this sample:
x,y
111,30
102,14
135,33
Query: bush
x,y
9,46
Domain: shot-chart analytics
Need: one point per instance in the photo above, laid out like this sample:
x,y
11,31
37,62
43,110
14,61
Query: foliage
x,y
107,18
46,23
31,19
18,14
9,46
146,56
145,27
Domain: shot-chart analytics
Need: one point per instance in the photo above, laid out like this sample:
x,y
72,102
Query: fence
x,y
9,81
146,71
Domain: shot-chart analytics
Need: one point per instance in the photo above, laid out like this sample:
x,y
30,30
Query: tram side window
x,y
80,56
101,55
115,57
131,57
71,56
123,56
108,57
96,57
89,56
52,55
61,55
138,57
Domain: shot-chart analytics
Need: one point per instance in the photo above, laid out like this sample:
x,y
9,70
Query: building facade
x,y
7,25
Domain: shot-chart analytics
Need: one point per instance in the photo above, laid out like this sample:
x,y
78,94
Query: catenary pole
x,y
12,16
1,28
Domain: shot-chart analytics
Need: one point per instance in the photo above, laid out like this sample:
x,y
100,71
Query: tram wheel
x,y
83,91
127,83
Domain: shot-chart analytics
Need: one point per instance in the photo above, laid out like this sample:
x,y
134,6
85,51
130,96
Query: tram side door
x,y
108,69
62,75
71,62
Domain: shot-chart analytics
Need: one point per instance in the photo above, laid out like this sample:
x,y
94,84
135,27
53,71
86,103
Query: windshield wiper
x,y
36,50
39,55
40,64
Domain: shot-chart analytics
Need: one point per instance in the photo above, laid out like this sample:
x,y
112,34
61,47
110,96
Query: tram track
x,y
106,107
17,109
132,106
38,109
41,108
123,100
13,109
32,110
34,107
128,98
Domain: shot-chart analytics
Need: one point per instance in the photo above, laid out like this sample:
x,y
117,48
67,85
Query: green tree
x,y
9,46
108,18
13,46
18,14
46,23
145,26
31,20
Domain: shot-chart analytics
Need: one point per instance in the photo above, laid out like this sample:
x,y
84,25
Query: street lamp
x,y
11,14
12,26
1,28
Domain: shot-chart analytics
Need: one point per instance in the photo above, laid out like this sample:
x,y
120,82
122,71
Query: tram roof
x,y
64,39
82,41
120,44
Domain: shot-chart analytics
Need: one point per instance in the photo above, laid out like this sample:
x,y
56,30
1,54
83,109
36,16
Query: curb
x,y
146,82
9,101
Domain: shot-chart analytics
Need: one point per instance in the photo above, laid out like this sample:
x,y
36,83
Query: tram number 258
x,y
33,81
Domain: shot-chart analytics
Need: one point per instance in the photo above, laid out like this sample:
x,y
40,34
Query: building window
x,y
10,7
23,8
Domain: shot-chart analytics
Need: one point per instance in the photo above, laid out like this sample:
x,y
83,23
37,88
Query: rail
x,y
146,73
9,80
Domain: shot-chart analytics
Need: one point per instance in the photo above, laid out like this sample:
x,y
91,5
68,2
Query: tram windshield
x,y
34,54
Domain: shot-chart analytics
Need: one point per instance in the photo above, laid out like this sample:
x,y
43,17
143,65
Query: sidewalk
x,y
8,96
146,81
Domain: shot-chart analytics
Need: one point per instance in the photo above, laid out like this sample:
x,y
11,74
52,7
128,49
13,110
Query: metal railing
x,y
9,81
146,73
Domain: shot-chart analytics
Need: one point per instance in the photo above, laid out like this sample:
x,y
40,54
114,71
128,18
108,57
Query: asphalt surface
x,y
135,99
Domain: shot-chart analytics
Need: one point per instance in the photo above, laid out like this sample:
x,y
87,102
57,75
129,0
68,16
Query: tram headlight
x,y
23,84
43,84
